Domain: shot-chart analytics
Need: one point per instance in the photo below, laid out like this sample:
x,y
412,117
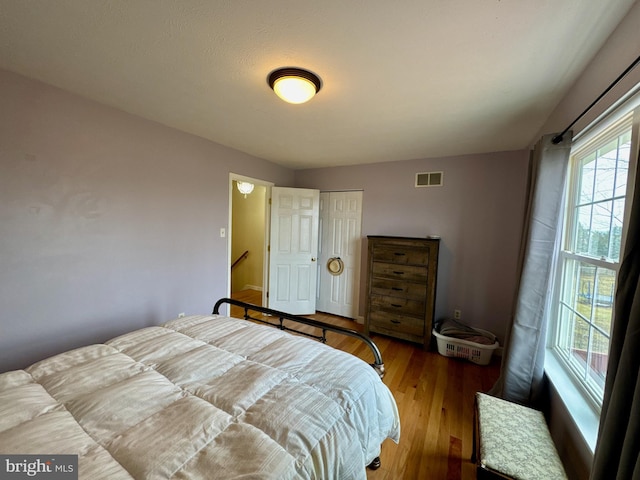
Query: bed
x,y
204,396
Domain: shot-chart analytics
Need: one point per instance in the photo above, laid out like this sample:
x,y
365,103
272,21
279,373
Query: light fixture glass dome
x,y
294,85
245,188
294,89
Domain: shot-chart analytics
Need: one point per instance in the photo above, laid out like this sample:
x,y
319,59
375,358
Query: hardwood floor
x,y
435,400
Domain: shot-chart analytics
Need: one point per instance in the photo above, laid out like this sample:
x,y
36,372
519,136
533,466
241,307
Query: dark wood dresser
x,y
401,287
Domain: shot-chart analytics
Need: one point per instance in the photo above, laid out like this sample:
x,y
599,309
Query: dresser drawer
x,y
383,286
398,305
407,273
401,255
388,322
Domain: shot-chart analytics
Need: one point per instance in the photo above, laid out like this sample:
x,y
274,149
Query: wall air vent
x,y
429,179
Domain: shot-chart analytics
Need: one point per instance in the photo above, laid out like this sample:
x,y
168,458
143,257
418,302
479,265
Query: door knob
x,y
313,259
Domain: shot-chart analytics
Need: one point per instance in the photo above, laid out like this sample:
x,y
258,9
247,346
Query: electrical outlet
x,y
457,314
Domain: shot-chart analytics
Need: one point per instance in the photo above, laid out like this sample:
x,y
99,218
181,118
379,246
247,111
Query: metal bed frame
x,y
378,365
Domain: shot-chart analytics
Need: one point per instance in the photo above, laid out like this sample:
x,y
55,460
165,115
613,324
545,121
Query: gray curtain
x,y
523,357
618,445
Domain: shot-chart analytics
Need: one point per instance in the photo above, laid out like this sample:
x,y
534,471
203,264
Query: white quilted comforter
x,y
201,397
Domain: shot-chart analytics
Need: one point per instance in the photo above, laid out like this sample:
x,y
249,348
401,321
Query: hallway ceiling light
x,y
245,188
294,85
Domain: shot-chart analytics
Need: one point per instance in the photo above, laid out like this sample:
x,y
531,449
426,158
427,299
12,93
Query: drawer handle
x,y
395,321
400,254
397,289
398,273
396,305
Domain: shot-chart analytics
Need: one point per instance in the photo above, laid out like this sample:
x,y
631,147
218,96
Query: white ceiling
x,y
401,80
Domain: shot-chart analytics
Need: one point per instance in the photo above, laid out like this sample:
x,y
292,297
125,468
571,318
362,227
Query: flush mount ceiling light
x,y
245,188
294,85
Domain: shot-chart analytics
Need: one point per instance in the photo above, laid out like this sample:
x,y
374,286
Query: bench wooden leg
x,y
474,452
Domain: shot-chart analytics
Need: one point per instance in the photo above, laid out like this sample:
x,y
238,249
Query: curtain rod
x,y
558,138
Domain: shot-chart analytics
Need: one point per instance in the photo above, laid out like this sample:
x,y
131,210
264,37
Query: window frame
x,y
591,138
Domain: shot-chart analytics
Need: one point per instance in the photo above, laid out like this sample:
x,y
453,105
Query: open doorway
x,y
248,227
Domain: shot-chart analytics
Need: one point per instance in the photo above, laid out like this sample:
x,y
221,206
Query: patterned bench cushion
x,y
515,441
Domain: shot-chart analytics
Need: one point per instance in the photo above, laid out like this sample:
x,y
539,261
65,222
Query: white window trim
x,y
585,417
583,411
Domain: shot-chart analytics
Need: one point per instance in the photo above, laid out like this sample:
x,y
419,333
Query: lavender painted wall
x,y
109,222
620,50
478,213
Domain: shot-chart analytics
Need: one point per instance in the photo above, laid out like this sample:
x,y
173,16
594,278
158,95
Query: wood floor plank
x,y
434,395
454,467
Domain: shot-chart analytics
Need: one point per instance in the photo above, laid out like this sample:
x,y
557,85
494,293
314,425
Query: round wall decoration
x,y
335,266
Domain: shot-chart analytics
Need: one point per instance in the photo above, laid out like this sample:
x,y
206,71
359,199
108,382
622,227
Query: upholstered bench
x,y
513,442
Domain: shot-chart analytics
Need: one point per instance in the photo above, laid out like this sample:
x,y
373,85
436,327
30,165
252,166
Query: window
x,y
590,253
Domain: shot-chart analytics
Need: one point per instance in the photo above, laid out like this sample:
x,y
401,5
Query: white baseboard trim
x,y
252,287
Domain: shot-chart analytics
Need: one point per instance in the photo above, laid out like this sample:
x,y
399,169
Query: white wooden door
x,y
339,253
293,250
